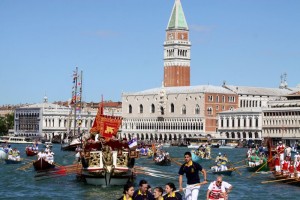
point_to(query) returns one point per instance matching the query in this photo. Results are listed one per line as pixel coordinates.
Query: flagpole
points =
(75, 102)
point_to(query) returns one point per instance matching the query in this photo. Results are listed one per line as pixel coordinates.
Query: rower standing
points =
(216, 190)
(191, 170)
(280, 151)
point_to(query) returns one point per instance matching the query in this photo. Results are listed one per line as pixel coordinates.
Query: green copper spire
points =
(177, 19)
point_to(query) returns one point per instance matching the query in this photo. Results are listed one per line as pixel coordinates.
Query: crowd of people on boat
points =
(47, 154)
(221, 163)
(284, 163)
(33, 147)
(161, 155)
(14, 154)
(256, 156)
(204, 151)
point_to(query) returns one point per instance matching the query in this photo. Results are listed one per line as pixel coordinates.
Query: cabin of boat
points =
(16, 140)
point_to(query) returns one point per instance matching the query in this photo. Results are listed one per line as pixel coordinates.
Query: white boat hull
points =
(193, 146)
(226, 147)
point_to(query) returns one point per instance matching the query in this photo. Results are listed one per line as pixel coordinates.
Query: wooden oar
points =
(239, 161)
(155, 171)
(156, 175)
(195, 185)
(277, 180)
(176, 162)
(234, 168)
(26, 166)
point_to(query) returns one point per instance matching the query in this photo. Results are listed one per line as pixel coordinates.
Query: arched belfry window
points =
(152, 108)
(172, 108)
(130, 109)
(141, 108)
(183, 110)
(197, 109)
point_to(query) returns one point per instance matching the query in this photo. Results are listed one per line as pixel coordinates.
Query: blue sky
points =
(119, 45)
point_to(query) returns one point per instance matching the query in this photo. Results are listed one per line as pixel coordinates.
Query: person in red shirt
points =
(285, 166)
(297, 166)
(292, 170)
(280, 151)
(277, 164)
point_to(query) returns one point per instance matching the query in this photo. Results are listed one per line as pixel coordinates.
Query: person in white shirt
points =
(288, 152)
(216, 190)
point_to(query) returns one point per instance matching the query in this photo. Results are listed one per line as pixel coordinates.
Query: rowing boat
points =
(227, 172)
(42, 164)
(261, 167)
(197, 158)
(10, 161)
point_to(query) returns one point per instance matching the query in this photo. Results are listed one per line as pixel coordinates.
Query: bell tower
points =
(177, 48)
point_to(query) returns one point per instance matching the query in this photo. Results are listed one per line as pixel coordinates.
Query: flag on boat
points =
(107, 126)
(132, 143)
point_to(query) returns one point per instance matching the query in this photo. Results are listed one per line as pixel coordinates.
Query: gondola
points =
(164, 162)
(42, 164)
(10, 161)
(30, 152)
(261, 167)
(227, 172)
(196, 158)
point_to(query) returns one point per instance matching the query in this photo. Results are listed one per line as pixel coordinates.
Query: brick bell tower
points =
(177, 49)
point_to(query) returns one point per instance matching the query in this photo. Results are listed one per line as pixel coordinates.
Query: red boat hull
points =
(30, 152)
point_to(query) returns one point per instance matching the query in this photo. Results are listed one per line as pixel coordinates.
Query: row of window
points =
(230, 99)
(170, 53)
(27, 115)
(282, 122)
(241, 135)
(250, 103)
(239, 122)
(162, 109)
(281, 131)
(290, 113)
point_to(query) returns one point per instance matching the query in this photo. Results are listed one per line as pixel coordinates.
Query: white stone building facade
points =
(45, 120)
(167, 113)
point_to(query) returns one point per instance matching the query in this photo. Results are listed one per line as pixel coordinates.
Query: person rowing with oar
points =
(216, 190)
(191, 170)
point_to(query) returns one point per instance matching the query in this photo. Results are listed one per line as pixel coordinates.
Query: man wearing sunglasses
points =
(216, 190)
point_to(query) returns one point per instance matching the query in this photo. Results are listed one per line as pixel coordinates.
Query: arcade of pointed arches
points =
(157, 136)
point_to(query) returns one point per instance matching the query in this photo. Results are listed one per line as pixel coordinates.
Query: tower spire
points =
(177, 49)
(177, 18)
